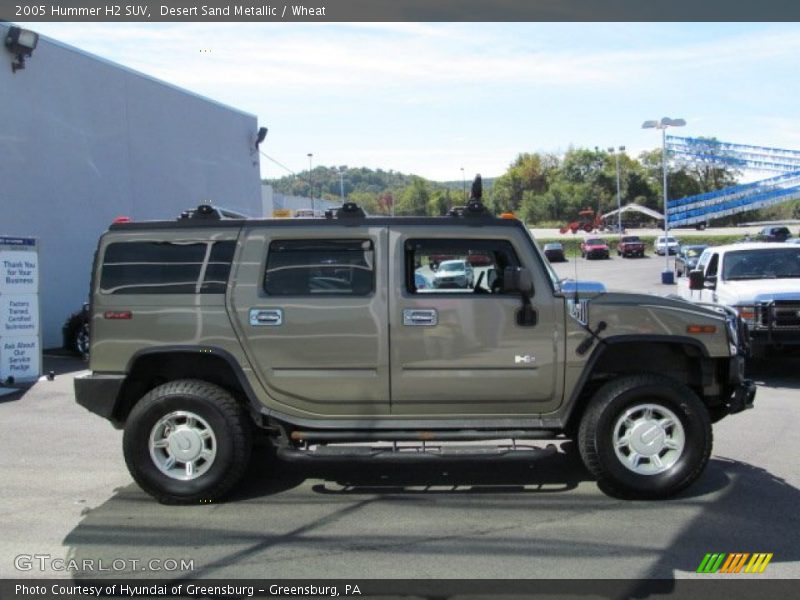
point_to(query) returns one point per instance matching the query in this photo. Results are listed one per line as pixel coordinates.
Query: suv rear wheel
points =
(186, 442)
(645, 436)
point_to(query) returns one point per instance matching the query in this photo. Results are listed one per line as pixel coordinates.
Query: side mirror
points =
(696, 280)
(518, 279)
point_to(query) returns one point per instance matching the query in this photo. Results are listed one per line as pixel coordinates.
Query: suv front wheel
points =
(645, 436)
(186, 442)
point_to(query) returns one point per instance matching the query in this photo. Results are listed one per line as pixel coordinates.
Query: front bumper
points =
(763, 338)
(99, 393)
(743, 397)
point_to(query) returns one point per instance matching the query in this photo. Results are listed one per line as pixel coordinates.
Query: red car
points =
(594, 248)
(630, 245)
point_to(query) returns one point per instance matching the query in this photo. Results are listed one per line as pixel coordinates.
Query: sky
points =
(432, 99)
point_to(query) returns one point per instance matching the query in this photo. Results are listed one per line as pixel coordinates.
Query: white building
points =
(83, 140)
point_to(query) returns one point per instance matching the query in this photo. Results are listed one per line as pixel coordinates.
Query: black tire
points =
(602, 416)
(76, 334)
(232, 441)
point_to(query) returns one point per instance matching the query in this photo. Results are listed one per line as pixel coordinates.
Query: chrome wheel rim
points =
(649, 439)
(182, 445)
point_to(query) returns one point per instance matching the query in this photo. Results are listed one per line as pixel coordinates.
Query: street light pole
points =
(619, 194)
(666, 276)
(310, 183)
(463, 185)
(341, 184)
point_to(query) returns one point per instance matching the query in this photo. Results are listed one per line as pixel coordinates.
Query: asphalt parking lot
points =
(65, 493)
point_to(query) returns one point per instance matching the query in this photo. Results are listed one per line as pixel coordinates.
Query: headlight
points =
(747, 312)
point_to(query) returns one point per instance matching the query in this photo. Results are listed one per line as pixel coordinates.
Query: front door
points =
(456, 345)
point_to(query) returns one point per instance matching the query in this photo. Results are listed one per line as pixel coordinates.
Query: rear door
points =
(457, 349)
(311, 314)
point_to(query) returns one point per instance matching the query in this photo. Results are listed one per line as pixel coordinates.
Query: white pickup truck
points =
(761, 281)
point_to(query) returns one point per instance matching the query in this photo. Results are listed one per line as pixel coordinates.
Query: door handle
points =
(426, 317)
(266, 316)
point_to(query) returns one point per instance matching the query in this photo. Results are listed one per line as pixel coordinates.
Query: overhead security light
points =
(21, 43)
(261, 136)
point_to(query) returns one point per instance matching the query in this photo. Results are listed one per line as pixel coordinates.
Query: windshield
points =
(693, 252)
(778, 263)
(632, 238)
(594, 242)
(551, 273)
(452, 266)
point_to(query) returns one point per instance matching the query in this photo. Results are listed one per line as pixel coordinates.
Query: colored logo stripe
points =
(759, 562)
(711, 563)
(735, 562)
(721, 562)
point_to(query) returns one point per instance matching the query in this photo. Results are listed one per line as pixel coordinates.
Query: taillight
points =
(122, 315)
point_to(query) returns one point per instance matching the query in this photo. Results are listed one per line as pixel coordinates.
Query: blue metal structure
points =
(700, 208)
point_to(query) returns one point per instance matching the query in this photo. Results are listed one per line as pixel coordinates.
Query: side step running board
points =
(411, 453)
(472, 435)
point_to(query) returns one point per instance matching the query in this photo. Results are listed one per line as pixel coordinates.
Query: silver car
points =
(454, 274)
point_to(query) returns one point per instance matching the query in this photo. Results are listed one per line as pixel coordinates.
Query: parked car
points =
(594, 248)
(454, 274)
(75, 332)
(773, 233)
(666, 244)
(687, 258)
(554, 251)
(760, 281)
(630, 245)
(244, 352)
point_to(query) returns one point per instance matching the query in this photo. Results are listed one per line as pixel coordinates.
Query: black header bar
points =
(331, 11)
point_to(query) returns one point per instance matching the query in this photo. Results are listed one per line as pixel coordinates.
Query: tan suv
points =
(312, 334)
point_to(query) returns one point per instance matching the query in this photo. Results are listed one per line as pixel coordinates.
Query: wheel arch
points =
(150, 367)
(686, 359)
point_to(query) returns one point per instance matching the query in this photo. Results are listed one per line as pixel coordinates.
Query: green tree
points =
(528, 172)
(440, 202)
(414, 198)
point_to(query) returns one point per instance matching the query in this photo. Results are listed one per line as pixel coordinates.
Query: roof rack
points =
(475, 206)
(207, 211)
(348, 210)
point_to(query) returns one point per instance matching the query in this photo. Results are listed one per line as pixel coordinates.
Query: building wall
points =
(83, 140)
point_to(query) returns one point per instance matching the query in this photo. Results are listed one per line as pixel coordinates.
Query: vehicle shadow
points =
(284, 510)
(556, 468)
(736, 519)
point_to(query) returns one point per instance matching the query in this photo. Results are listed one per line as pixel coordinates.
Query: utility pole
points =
(310, 183)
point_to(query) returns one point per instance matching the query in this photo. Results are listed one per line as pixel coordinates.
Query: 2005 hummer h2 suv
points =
(325, 334)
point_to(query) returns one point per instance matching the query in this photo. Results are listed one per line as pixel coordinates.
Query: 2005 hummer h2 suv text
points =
(325, 335)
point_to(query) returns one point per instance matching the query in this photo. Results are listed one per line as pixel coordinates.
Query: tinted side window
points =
(457, 266)
(712, 266)
(166, 267)
(320, 267)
